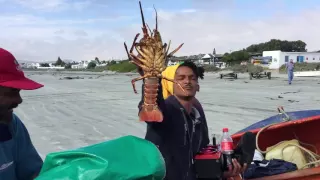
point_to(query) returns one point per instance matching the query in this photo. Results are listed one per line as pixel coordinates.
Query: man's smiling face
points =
(9, 99)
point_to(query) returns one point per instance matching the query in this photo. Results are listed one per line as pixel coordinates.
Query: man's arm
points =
(28, 161)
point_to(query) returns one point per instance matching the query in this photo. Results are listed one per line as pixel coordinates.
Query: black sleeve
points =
(205, 132)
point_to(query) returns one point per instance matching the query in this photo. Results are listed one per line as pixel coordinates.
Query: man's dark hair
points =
(198, 71)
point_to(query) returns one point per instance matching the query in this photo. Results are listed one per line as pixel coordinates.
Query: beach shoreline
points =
(71, 113)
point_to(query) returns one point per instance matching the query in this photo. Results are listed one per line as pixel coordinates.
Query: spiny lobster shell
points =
(151, 61)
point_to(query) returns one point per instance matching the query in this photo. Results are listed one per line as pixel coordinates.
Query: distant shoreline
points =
(28, 71)
(66, 72)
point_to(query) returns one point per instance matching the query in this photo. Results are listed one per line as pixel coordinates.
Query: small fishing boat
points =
(301, 127)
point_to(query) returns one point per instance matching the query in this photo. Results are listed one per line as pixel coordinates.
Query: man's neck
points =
(187, 104)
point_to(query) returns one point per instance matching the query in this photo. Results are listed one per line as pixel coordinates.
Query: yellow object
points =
(288, 151)
(312, 158)
(167, 86)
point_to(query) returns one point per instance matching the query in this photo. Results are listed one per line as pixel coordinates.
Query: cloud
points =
(35, 38)
(32, 37)
(201, 31)
(21, 20)
(52, 5)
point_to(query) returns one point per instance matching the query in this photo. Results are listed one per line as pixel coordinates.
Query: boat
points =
(306, 74)
(110, 156)
(286, 126)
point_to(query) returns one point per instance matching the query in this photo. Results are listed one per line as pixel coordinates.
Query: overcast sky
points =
(39, 30)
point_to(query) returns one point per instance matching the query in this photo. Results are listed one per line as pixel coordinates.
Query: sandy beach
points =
(68, 114)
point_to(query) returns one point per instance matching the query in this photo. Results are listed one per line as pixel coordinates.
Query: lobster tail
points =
(151, 116)
(150, 111)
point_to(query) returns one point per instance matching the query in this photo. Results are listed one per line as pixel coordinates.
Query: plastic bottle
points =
(226, 147)
(214, 141)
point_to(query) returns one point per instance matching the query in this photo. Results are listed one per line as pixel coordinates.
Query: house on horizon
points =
(83, 64)
(279, 58)
(200, 59)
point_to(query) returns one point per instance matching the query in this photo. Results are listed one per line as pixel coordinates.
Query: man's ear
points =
(198, 87)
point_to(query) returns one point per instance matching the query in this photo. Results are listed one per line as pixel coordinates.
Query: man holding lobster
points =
(184, 130)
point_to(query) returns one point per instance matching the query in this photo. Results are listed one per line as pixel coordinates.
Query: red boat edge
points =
(305, 130)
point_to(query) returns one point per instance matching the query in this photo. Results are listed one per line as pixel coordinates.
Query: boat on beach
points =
(289, 132)
(113, 159)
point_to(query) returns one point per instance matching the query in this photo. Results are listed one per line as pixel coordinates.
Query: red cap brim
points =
(23, 84)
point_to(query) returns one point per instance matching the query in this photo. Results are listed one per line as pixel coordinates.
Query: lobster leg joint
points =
(133, 82)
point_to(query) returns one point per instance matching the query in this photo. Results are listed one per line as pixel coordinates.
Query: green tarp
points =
(125, 158)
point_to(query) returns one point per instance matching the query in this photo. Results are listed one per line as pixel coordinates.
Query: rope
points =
(314, 159)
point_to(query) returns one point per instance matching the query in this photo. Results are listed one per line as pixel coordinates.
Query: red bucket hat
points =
(11, 74)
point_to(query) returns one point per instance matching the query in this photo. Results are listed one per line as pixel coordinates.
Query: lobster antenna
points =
(156, 17)
(142, 17)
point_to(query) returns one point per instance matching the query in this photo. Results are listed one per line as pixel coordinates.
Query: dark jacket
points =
(178, 137)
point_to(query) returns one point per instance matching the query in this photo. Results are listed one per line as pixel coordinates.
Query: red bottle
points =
(226, 147)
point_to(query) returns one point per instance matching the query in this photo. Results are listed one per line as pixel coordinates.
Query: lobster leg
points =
(166, 50)
(131, 49)
(171, 80)
(137, 79)
(174, 51)
(145, 56)
(138, 59)
(151, 33)
(139, 65)
(126, 47)
(165, 46)
(134, 42)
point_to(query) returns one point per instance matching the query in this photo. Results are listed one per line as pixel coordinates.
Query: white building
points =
(279, 58)
(84, 64)
(81, 65)
(202, 59)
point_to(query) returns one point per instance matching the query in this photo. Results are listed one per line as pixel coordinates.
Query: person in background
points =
(19, 160)
(184, 130)
(290, 68)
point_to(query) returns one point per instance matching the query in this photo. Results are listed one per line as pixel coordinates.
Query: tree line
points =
(236, 57)
(92, 64)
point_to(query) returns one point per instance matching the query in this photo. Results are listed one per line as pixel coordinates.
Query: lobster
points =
(151, 60)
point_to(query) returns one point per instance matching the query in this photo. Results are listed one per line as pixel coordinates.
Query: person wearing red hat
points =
(18, 157)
